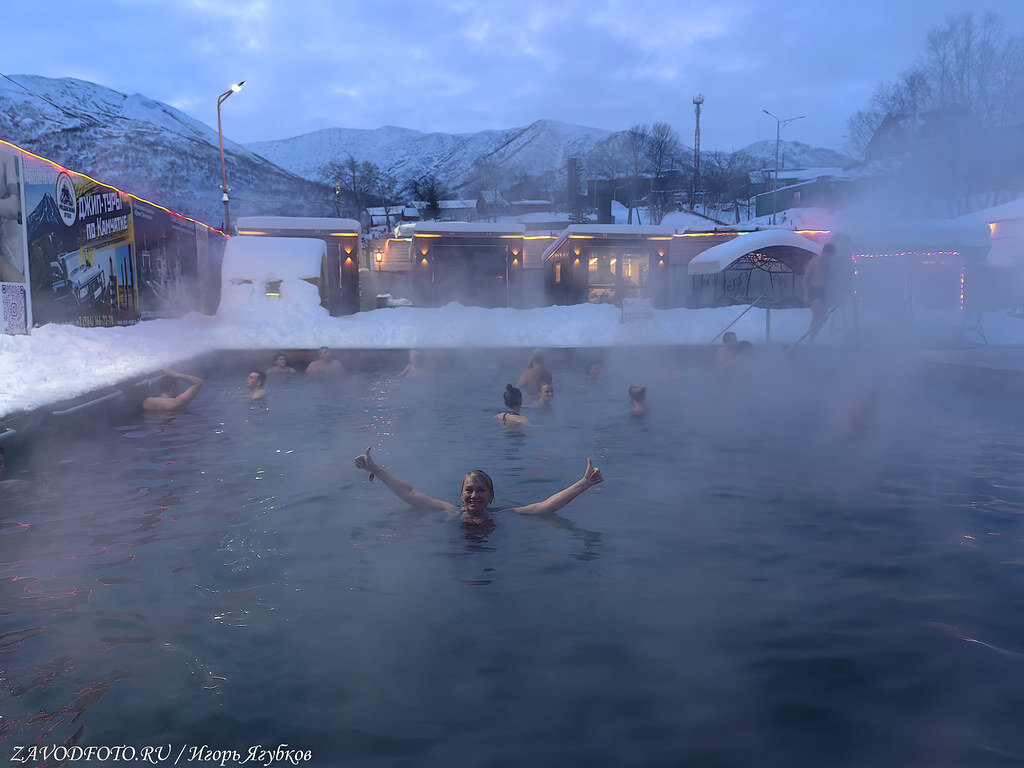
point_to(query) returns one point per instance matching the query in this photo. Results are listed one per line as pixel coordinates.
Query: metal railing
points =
(741, 314)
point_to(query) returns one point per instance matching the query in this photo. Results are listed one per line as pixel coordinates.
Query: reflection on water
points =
(748, 586)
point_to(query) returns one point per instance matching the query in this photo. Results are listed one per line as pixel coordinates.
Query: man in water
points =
(168, 398)
(535, 374)
(725, 355)
(325, 363)
(254, 383)
(816, 280)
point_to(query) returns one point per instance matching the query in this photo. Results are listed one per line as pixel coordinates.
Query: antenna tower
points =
(698, 101)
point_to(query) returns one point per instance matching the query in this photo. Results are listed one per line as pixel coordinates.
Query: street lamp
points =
(779, 125)
(223, 167)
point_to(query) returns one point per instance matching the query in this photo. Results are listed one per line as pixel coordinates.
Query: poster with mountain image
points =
(79, 232)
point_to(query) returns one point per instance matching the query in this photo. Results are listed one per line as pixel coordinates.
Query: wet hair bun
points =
(513, 396)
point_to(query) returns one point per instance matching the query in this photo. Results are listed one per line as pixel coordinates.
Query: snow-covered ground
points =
(60, 362)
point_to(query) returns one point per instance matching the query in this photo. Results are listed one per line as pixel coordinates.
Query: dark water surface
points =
(797, 564)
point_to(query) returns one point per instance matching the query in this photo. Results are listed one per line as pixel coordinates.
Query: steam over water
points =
(806, 561)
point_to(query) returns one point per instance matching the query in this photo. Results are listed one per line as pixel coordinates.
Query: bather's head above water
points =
(477, 493)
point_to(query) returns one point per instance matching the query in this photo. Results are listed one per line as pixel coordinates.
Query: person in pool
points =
(513, 402)
(254, 383)
(477, 492)
(168, 398)
(280, 365)
(545, 394)
(536, 373)
(638, 399)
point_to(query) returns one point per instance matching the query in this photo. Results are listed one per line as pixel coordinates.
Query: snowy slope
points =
(531, 150)
(147, 148)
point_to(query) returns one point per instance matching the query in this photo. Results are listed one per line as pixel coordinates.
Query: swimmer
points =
(168, 398)
(535, 374)
(725, 355)
(324, 363)
(513, 402)
(545, 394)
(254, 383)
(594, 371)
(637, 399)
(414, 369)
(477, 493)
(280, 365)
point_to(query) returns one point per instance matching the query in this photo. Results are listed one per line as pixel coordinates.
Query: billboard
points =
(75, 250)
(80, 256)
(166, 251)
(14, 297)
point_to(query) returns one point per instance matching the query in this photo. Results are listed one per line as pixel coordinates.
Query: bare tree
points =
(662, 153)
(386, 189)
(635, 141)
(428, 189)
(351, 176)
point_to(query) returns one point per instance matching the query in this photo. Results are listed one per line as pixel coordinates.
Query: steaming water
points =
(750, 586)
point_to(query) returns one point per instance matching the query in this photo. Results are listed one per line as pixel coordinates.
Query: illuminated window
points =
(558, 272)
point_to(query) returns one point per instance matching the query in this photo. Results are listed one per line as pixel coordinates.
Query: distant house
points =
(490, 203)
(451, 210)
(392, 215)
(519, 207)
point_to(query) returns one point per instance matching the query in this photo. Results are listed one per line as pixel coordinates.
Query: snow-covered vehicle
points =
(72, 273)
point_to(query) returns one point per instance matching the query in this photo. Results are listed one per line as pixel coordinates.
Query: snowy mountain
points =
(456, 159)
(795, 154)
(161, 154)
(149, 149)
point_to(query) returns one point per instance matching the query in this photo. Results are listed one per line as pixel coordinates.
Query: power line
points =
(78, 115)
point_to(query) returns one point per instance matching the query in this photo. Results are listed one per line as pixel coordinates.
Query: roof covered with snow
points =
(296, 223)
(718, 257)
(262, 259)
(462, 228)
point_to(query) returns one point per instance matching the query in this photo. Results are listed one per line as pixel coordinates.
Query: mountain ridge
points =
(159, 153)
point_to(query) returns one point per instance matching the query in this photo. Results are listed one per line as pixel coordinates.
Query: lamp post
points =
(779, 125)
(223, 167)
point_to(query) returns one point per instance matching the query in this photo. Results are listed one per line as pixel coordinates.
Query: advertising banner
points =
(80, 255)
(14, 298)
(167, 255)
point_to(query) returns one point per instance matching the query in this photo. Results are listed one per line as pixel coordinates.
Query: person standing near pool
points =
(535, 374)
(477, 493)
(168, 398)
(816, 280)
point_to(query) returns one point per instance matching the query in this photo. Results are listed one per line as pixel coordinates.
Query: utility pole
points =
(779, 125)
(698, 101)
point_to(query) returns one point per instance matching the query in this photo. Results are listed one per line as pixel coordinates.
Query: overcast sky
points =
(462, 66)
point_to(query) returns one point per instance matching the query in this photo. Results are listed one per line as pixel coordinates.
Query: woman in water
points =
(477, 492)
(545, 394)
(638, 399)
(513, 402)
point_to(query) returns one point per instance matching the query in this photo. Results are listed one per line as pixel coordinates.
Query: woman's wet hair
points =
(513, 397)
(637, 393)
(479, 476)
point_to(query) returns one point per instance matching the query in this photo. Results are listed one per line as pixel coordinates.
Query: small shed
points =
(475, 264)
(339, 283)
